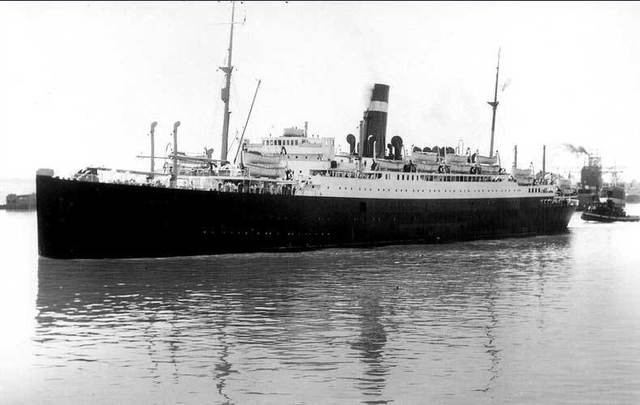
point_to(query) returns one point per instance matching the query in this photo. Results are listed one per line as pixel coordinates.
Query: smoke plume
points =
(505, 84)
(576, 149)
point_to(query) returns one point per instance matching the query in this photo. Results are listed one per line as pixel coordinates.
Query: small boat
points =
(390, 165)
(255, 170)
(257, 158)
(607, 212)
(424, 157)
(427, 167)
(456, 159)
(461, 168)
(489, 169)
(486, 160)
(458, 163)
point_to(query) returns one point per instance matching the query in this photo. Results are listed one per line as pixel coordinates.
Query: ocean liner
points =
(295, 192)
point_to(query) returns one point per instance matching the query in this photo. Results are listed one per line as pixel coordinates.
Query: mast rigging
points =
(247, 122)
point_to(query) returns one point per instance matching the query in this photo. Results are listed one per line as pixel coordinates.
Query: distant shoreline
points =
(17, 186)
(17, 179)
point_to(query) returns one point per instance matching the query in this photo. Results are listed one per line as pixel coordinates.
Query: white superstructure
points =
(300, 152)
(416, 185)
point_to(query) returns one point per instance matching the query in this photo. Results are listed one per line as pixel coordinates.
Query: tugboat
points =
(607, 212)
(611, 210)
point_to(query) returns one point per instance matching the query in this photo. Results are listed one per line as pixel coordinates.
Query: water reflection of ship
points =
(103, 299)
(370, 346)
(169, 309)
(490, 329)
(217, 301)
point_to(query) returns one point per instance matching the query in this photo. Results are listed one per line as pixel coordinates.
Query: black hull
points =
(98, 220)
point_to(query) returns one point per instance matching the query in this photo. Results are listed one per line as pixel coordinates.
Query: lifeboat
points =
(424, 157)
(486, 160)
(427, 167)
(456, 159)
(460, 167)
(272, 172)
(257, 158)
(489, 169)
(390, 165)
(522, 173)
(523, 176)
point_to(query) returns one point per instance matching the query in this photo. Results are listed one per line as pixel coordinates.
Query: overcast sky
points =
(80, 82)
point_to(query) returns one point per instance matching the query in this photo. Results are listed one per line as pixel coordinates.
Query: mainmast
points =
(494, 104)
(226, 91)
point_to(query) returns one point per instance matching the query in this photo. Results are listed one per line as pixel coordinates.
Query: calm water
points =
(537, 320)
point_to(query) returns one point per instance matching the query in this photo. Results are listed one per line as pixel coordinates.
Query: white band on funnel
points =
(380, 106)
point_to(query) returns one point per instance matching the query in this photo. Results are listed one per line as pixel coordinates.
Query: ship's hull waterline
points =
(78, 219)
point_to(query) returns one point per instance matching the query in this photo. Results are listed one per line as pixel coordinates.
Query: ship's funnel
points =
(351, 140)
(375, 122)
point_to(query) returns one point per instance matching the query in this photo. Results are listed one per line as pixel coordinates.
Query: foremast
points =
(226, 91)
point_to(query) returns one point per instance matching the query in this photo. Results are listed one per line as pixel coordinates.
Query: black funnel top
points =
(380, 92)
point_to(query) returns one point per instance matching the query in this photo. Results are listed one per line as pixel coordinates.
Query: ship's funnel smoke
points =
(576, 149)
(374, 125)
(366, 96)
(505, 84)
